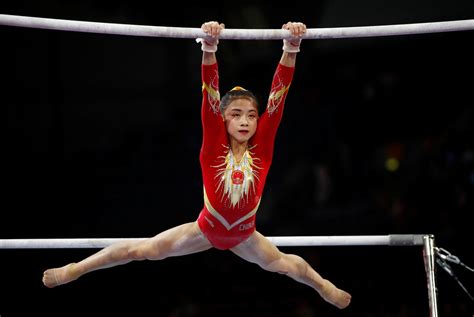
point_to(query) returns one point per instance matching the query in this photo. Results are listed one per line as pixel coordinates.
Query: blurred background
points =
(103, 134)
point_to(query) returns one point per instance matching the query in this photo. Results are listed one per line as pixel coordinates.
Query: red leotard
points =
(232, 190)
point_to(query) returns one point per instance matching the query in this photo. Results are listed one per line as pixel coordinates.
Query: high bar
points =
(234, 34)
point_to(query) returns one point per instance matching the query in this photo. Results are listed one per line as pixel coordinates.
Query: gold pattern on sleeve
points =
(213, 93)
(276, 94)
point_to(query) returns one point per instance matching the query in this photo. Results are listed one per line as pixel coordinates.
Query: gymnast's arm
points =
(291, 46)
(209, 44)
(213, 127)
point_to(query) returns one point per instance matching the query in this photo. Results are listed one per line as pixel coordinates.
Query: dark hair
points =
(237, 93)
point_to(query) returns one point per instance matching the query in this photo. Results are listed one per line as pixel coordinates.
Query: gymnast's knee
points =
(148, 251)
(138, 252)
(287, 264)
(277, 266)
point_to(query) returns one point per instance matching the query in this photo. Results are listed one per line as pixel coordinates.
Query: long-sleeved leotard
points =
(232, 190)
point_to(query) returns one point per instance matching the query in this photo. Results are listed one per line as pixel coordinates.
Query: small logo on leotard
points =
(237, 177)
(246, 226)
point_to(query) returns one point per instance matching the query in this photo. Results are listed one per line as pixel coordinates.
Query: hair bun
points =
(238, 88)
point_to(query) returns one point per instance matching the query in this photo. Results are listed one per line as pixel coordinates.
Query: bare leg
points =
(258, 249)
(180, 240)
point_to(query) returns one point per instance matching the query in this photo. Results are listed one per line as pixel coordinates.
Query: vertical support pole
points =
(429, 260)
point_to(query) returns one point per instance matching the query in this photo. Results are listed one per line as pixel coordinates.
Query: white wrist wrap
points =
(291, 46)
(207, 46)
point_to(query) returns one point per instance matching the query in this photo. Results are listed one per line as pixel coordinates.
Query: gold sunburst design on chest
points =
(236, 179)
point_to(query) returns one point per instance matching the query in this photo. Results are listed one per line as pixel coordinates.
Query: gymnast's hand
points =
(213, 30)
(297, 30)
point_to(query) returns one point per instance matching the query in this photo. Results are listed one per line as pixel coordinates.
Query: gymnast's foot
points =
(333, 295)
(59, 276)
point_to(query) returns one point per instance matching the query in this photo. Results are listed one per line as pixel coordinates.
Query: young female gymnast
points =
(235, 157)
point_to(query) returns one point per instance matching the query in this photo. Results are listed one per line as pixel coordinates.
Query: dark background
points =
(103, 135)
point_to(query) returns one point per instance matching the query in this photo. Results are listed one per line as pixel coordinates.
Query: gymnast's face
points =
(240, 118)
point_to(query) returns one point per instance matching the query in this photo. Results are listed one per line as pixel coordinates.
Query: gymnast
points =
(235, 157)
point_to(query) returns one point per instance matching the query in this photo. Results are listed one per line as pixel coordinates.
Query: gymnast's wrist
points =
(291, 46)
(208, 45)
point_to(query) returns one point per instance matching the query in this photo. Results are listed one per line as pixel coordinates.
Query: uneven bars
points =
(283, 241)
(234, 34)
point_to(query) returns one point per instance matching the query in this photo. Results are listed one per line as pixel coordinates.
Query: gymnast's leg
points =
(180, 240)
(258, 249)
